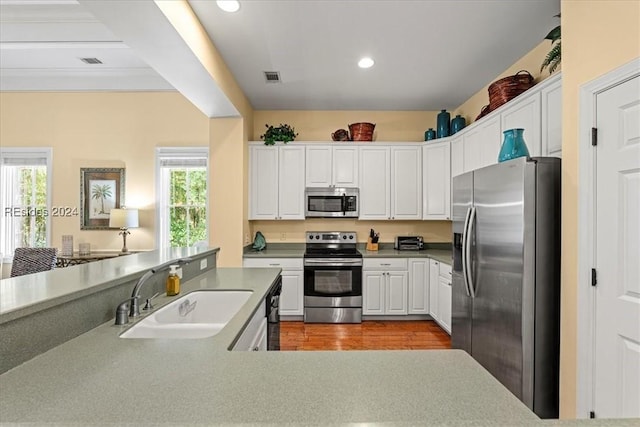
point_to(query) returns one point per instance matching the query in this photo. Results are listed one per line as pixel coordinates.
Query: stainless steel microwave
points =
(331, 202)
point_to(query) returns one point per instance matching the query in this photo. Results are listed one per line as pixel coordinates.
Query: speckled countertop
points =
(440, 252)
(98, 378)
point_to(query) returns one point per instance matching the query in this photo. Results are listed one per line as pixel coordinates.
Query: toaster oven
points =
(409, 243)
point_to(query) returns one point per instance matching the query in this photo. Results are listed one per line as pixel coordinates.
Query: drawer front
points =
(385, 264)
(284, 263)
(445, 270)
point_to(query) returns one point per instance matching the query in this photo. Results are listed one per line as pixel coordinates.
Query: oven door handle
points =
(333, 262)
(344, 203)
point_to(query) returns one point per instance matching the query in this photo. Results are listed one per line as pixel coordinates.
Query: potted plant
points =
(552, 60)
(284, 133)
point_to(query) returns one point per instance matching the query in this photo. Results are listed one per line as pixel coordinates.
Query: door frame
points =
(587, 229)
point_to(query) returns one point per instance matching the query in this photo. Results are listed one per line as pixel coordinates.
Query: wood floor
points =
(368, 335)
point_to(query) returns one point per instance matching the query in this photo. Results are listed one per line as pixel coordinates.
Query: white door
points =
(436, 185)
(551, 121)
(373, 292)
(617, 308)
(396, 292)
(291, 183)
(263, 189)
(318, 166)
(292, 296)
(525, 114)
(418, 286)
(434, 274)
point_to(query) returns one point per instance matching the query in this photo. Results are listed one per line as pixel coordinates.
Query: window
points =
(182, 196)
(26, 197)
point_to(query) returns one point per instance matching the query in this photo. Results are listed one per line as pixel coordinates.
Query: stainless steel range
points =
(332, 278)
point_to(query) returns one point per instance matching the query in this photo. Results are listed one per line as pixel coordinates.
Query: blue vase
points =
(513, 145)
(430, 134)
(457, 124)
(443, 123)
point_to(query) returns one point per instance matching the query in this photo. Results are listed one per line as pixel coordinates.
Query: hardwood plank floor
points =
(368, 335)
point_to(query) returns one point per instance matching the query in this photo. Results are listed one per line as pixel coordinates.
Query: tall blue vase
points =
(513, 145)
(443, 123)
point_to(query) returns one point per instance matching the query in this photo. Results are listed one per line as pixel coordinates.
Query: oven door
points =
(336, 282)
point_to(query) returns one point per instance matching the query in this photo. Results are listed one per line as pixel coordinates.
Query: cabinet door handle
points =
(256, 348)
(274, 265)
(383, 263)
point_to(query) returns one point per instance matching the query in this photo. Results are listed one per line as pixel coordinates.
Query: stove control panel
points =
(331, 236)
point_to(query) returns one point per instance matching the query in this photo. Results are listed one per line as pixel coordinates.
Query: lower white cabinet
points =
(254, 336)
(418, 286)
(292, 296)
(384, 286)
(440, 294)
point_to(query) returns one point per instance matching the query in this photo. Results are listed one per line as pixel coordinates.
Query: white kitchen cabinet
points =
(482, 144)
(292, 296)
(551, 115)
(524, 113)
(418, 301)
(436, 171)
(457, 156)
(276, 183)
(385, 286)
(434, 275)
(440, 293)
(390, 182)
(444, 297)
(331, 166)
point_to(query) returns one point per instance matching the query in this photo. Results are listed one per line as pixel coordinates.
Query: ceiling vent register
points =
(272, 76)
(91, 61)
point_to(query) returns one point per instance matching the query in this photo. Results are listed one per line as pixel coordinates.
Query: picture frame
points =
(101, 189)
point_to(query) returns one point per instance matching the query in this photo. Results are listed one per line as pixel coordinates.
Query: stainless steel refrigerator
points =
(506, 275)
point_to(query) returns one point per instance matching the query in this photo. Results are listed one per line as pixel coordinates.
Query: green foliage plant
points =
(552, 60)
(284, 133)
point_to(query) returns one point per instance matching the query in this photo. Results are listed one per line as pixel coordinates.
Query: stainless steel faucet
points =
(132, 304)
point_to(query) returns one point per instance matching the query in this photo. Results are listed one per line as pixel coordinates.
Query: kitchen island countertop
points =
(99, 377)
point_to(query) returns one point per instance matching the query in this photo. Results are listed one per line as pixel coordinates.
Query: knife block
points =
(371, 246)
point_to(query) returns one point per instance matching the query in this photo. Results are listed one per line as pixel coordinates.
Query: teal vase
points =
(513, 145)
(430, 134)
(443, 123)
(457, 124)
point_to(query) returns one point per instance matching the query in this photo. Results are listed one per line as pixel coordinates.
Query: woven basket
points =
(507, 88)
(483, 112)
(361, 131)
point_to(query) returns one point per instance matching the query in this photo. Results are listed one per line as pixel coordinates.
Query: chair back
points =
(33, 260)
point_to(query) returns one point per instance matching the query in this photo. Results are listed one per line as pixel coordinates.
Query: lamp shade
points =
(123, 218)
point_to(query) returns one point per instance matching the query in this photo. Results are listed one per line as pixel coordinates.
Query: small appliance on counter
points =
(409, 243)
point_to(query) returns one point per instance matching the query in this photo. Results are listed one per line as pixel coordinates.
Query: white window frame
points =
(162, 192)
(26, 153)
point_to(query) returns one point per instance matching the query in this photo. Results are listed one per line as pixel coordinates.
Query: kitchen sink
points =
(198, 314)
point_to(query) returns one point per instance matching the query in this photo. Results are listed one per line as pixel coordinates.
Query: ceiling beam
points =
(143, 27)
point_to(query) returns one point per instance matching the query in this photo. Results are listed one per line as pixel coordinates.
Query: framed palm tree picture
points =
(101, 189)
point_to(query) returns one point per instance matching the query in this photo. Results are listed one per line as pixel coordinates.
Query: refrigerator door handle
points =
(467, 249)
(465, 254)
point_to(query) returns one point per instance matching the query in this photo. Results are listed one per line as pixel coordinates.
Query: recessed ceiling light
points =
(365, 62)
(228, 5)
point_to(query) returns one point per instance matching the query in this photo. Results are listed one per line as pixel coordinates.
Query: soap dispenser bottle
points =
(173, 281)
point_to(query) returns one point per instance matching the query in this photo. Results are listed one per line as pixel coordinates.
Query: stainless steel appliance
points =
(272, 302)
(409, 243)
(331, 202)
(332, 278)
(506, 275)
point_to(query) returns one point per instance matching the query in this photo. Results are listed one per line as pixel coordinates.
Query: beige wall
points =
(102, 130)
(319, 125)
(530, 62)
(597, 37)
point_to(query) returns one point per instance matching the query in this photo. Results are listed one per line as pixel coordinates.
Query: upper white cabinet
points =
(525, 114)
(436, 186)
(551, 112)
(331, 166)
(482, 143)
(390, 182)
(277, 176)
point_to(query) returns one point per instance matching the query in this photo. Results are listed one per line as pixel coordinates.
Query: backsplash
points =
(293, 231)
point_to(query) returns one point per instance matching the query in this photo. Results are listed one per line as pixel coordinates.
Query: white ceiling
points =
(429, 54)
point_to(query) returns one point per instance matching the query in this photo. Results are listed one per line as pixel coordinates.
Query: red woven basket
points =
(507, 88)
(361, 131)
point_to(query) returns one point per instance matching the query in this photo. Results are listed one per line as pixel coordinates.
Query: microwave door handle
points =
(344, 204)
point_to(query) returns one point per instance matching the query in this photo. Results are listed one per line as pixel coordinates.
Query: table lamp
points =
(123, 219)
